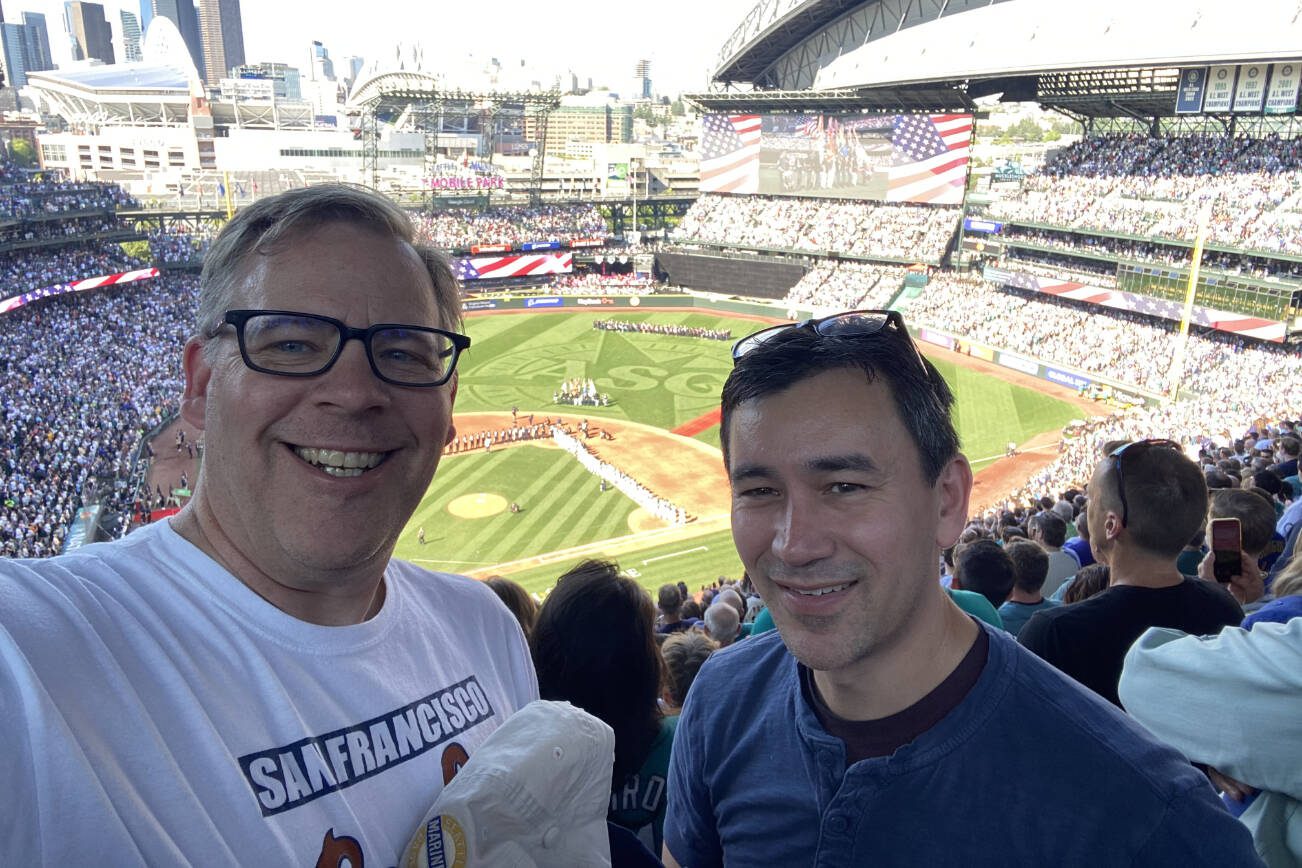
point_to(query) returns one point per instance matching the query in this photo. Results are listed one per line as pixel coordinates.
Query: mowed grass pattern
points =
(561, 507)
(519, 360)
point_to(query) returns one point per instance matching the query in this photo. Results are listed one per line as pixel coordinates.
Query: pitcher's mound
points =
(479, 505)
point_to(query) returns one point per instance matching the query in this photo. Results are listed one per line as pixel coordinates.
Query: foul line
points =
(675, 554)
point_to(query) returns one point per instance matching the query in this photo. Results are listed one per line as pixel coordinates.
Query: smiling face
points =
(834, 520)
(308, 481)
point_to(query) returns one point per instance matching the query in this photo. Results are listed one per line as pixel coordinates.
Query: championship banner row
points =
(1271, 88)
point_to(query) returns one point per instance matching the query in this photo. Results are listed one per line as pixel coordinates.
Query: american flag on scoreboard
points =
(730, 149)
(527, 265)
(930, 158)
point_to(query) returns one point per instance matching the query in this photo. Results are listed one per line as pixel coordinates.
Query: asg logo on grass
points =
(694, 377)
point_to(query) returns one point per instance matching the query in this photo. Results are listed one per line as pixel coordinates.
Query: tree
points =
(22, 153)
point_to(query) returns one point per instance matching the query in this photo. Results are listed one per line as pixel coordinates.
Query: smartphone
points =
(1227, 543)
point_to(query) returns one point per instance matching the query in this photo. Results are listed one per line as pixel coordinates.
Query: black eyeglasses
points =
(851, 323)
(289, 343)
(1116, 455)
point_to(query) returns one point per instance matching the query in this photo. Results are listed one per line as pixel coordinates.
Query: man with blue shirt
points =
(1030, 565)
(847, 736)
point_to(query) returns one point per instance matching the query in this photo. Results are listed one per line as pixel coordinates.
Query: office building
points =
(88, 31)
(130, 37)
(223, 37)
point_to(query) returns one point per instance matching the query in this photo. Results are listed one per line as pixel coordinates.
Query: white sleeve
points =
(1232, 701)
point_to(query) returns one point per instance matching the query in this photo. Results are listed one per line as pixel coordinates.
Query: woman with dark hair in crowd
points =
(1088, 582)
(517, 599)
(594, 646)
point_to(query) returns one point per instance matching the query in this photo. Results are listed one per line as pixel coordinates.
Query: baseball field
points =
(661, 427)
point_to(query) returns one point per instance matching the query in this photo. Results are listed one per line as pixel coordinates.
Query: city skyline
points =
(680, 39)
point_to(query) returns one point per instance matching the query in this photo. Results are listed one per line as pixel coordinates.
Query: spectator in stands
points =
(1079, 545)
(722, 624)
(847, 483)
(669, 600)
(1287, 593)
(983, 567)
(517, 599)
(1146, 500)
(1258, 539)
(1089, 581)
(1286, 451)
(683, 653)
(1049, 531)
(1031, 565)
(594, 646)
(136, 674)
(1230, 702)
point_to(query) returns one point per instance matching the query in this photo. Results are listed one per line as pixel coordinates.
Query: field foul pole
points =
(1177, 362)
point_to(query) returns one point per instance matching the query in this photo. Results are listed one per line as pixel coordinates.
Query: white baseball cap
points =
(533, 795)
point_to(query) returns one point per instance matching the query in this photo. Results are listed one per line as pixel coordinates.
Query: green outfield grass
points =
(519, 360)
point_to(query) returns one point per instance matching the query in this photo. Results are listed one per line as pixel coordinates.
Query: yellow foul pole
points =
(230, 201)
(1177, 362)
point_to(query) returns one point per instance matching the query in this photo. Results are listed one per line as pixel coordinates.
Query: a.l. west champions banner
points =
(520, 265)
(889, 158)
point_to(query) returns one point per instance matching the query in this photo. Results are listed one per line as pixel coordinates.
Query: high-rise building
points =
(182, 13)
(130, 37)
(642, 80)
(323, 68)
(223, 37)
(89, 31)
(37, 37)
(13, 50)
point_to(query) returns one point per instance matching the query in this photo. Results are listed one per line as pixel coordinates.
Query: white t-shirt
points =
(154, 710)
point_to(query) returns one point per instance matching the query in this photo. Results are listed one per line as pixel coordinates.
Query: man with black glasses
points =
(1147, 500)
(257, 681)
(880, 725)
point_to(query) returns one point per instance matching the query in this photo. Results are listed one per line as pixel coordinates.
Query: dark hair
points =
(684, 653)
(1030, 563)
(984, 567)
(1290, 446)
(1051, 527)
(1166, 496)
(922, 398)
(1088, 582)
(690, 609)
(594, 646)
(1011, 532)
(1255, 514)
(668, 599)
(517, 599)
(1218, 479)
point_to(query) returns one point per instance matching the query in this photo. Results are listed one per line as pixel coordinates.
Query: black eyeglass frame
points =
(1116, 455)
(239, 318)
(891, 321)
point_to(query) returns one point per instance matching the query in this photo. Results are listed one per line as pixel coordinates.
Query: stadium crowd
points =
(459, 229)
(32, 198)
(1157, 187)
(589, 282)
(857, 228)
(842, 285)
(23, 270)
(81, 378)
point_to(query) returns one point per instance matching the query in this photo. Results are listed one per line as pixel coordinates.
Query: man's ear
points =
(198, 374)
(953, 490)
